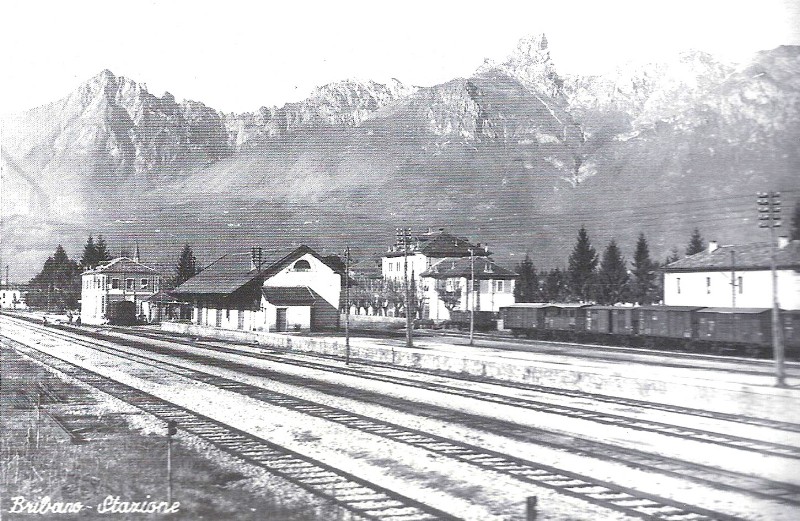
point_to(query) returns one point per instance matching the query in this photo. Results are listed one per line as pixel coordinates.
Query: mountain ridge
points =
(511, 143)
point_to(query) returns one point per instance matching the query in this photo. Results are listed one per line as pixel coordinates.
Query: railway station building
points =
(119, 280)
(735, 277)
(271, 291)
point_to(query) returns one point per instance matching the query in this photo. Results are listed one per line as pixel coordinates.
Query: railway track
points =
(368, 500)
(598, 492)
(666, 429)
(701, 474)
(219, 345)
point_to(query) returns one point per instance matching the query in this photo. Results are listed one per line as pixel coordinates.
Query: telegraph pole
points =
(347, 305)
(733, 279)
(405, 235)
(471, 294)
(769, 216)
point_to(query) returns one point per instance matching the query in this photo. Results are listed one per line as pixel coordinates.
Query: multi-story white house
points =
(121, 279)
(423, 251)
(11, 297)
(265, 291)
(447, 284)
(735, 276)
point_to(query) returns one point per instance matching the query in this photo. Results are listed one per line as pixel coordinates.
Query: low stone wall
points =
(374, 322)
(762, 402)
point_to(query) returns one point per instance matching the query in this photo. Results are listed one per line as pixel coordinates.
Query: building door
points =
(219, 318)
(241, 319)
(280, 319)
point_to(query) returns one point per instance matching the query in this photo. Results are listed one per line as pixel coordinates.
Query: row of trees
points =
(605, 279)
(57, 286)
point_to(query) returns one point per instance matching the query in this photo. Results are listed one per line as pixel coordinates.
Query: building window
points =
(500, 287)
(114, 283)
(708, 285)
(390, 266)
(144, 284)
(678, 280)
(130, 284)
(302, 265)
(741, 285)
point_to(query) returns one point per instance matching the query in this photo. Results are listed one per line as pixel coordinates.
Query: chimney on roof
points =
(783, 241)
(255, 258)
(136, 256)
(712, 246)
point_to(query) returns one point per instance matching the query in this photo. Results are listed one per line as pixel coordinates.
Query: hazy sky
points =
(237, 56)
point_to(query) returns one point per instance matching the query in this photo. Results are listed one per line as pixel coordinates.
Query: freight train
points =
(744, 331)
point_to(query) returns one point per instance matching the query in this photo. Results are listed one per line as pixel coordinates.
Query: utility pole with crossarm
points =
(404, 236)
(769, 216)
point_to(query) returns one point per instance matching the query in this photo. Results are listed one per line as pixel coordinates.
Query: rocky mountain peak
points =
(530, 64)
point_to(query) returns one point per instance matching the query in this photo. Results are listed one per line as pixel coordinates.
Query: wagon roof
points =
(670, 308)
(748, 311)
(530, 305)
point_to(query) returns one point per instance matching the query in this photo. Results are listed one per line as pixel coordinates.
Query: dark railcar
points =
(612, 320)
(790, 321)
(122, 313)
(668, 326)
(566, 317)
(524, 318)
(735, 326)
(484, 320)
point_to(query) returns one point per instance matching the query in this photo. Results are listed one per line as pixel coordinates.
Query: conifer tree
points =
(89, 258)
(526, 287)
(187, 266)
(644, 285)
(612, 277)
(103, 255)
(582, 267)
(696, 243)
(795, 234)
(555, 287)
(673, 256)
(58, 285)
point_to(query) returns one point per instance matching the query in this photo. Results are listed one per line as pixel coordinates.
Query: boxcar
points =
(790, 321)
(122, 313)
(484, 320)
(524, 318)
(611, 320)
(732, 327)
(565, 317)
(668, 326)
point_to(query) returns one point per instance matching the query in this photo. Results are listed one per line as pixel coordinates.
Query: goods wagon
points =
(733, 328)
(662, 325)
(484, 320)
(790, 322)
(614, 320)
(565, 321)
(524, 318)
(122, 313)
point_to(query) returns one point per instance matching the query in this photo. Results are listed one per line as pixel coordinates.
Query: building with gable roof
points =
(735, 276)
(265, 291)
(423, 251)
(121, 279)
(447, 283)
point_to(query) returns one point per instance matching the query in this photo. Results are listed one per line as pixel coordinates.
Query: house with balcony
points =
(464, 284)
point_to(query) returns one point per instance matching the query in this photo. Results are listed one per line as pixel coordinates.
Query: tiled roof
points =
(440, 244)
(288, 296)
(233, 270)
(746, 256)
(121, 265)
(485, 268)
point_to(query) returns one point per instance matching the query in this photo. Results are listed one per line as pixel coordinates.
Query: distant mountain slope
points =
(516, 155)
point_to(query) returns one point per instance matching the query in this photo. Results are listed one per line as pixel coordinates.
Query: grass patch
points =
(38, 460)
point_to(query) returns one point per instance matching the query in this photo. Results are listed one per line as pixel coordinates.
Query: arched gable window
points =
(302, 265)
